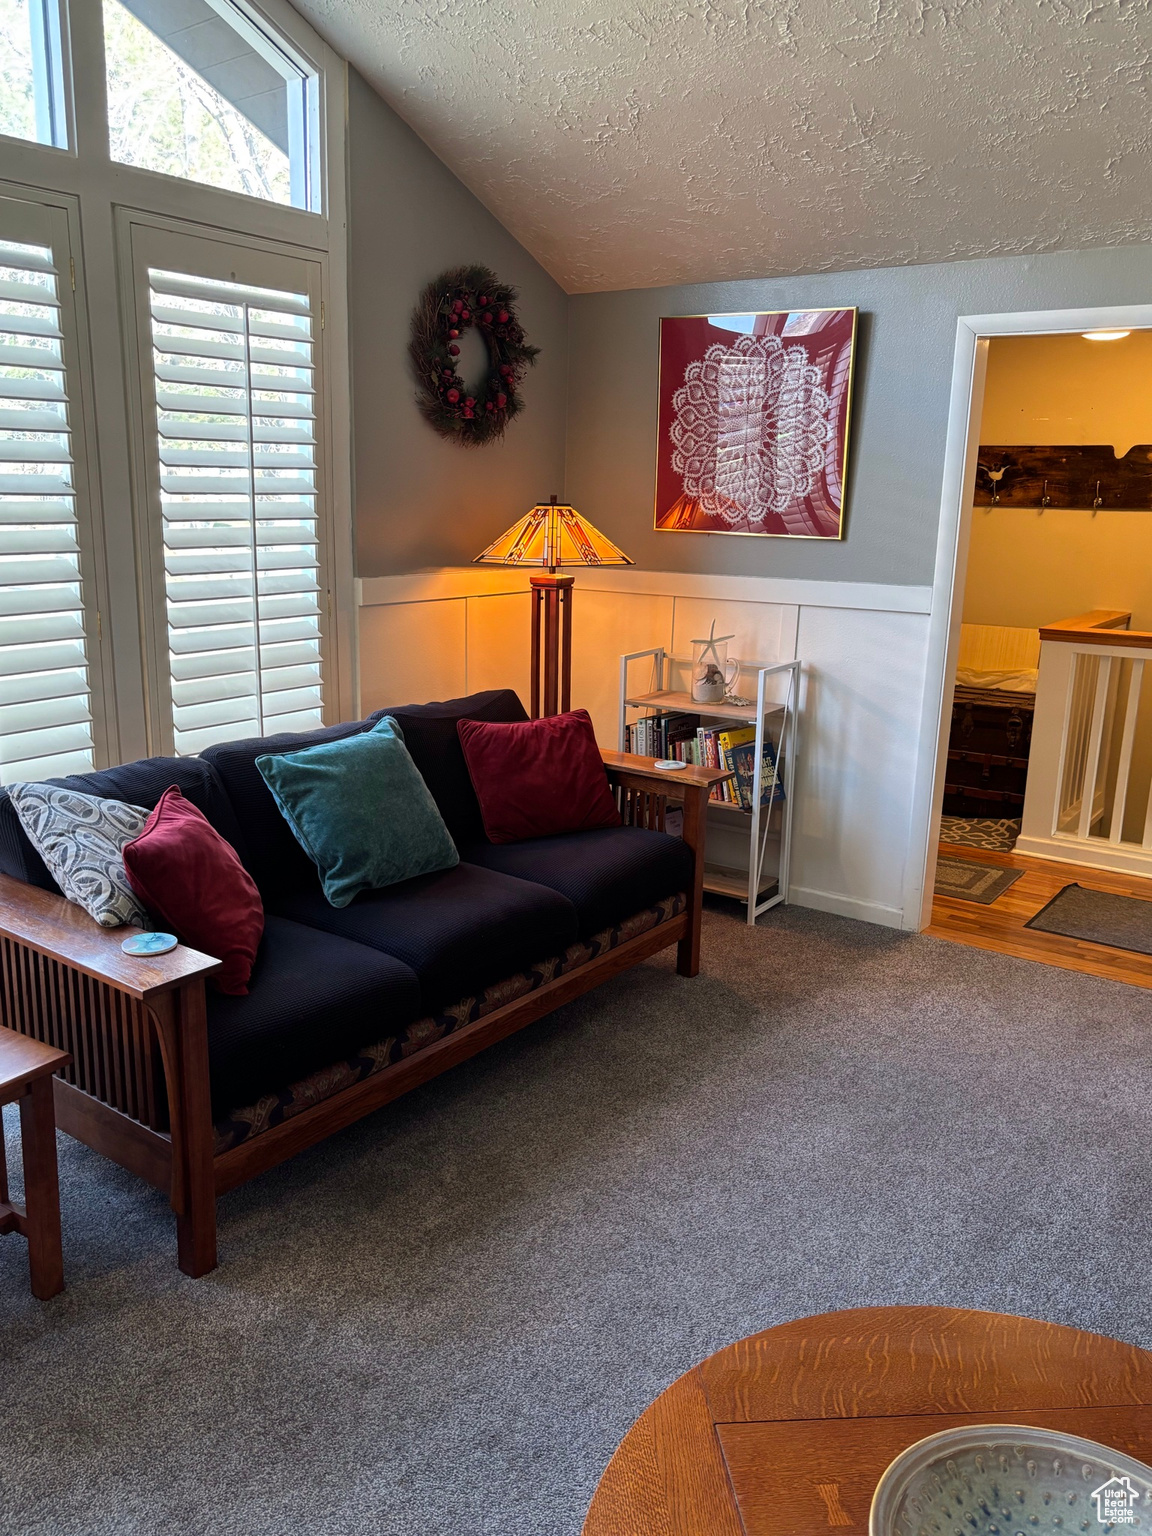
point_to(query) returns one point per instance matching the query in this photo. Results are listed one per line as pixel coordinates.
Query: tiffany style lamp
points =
(552, 535)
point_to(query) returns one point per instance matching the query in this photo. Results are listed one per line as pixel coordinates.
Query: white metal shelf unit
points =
(777, 698)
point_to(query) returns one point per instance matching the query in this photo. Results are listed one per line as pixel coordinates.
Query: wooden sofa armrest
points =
(59, 929)
(642, 791)
(673, 782)
(66, 981)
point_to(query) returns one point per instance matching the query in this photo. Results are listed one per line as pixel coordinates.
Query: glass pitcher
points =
(713, 670)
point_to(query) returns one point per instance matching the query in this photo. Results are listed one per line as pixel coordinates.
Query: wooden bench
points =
(26, 1068)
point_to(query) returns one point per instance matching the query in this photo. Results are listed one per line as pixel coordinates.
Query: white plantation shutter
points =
(45, 699)
(236, 449)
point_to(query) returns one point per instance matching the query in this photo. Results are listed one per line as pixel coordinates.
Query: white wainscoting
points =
(440, 634)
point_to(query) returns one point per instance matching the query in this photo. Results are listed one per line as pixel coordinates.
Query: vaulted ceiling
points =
(632, 144)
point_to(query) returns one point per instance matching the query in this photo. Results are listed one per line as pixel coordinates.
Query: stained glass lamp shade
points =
(552, 536)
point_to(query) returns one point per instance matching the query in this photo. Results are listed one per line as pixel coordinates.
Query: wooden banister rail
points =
(1083, 768)
(1101, 626)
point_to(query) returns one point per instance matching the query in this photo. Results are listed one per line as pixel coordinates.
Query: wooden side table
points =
(26, 1068)
(788, 1432)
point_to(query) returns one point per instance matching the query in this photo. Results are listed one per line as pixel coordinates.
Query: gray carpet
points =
(442, 1322)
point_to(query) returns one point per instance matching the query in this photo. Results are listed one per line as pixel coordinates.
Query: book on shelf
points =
(771, 787)
(685, 738)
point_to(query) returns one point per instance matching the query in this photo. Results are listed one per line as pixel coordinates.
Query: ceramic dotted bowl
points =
(1008, 1480)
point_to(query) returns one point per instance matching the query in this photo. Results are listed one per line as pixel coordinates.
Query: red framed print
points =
(753, 432)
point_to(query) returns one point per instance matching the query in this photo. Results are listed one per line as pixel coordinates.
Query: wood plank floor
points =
(1001, 925)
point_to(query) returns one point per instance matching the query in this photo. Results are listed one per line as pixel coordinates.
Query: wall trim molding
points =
(845, 906)
(461, 581)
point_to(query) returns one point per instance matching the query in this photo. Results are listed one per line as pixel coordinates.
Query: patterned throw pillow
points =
(80, 839)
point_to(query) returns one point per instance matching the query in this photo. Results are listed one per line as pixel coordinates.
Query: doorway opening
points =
(1043, 625)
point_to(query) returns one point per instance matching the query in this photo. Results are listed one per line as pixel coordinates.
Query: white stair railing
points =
(1089, 794)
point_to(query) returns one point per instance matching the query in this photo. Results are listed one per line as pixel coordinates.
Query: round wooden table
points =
(787, 1433)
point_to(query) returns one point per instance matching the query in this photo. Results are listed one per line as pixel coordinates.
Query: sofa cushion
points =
(607, 875)
(459, 930)
(314, 998)
(361, 811)
(186, 874)
(430, 736)
(140, 783)
(538, 778)
(273, 857)
(81, 839)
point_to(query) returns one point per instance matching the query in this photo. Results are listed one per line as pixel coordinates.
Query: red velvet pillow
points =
(184, 871)
(535, 778)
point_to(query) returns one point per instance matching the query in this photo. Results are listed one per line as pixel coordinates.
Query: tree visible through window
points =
(31, 83)
(190, 96)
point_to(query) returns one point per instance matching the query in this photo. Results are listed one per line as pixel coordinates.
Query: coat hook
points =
(995, 476)
(1045, 499)
(1098, 503)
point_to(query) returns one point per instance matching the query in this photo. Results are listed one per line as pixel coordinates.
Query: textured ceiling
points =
(628, 145)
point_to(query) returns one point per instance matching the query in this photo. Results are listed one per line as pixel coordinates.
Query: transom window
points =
(31, 72)
(197, 89)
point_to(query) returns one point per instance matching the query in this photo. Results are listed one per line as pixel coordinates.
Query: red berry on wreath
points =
(453, 333)
(503, 317)
(483, 301)
(454, 351)
(487, 317)
(501, 401)
(468, 415)
(452, 396)
(458, 306)
(470, 402)
(465, 314)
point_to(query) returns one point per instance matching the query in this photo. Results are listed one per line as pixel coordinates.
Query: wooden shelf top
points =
(668, 699)
(734, 882)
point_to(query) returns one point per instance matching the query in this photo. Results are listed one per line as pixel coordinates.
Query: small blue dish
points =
(149, 944)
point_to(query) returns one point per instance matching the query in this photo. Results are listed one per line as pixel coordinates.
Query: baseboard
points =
(845, 906)
(1099, 854)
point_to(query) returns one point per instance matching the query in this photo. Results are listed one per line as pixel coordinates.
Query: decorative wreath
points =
(456, 301)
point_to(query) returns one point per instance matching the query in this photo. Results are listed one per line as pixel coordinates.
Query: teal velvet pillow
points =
(360, 811)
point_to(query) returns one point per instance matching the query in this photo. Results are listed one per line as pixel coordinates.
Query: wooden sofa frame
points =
(137, 1089)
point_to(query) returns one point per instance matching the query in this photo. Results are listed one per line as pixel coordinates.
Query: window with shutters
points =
(45, 696)
(236, 470)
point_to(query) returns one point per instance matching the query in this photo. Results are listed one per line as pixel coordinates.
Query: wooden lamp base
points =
(552, 651)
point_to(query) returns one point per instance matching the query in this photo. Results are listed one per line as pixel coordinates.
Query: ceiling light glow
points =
(1105, 335)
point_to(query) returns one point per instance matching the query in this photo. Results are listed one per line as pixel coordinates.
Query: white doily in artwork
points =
(751, 429)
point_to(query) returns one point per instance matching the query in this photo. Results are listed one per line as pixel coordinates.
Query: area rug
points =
(968, 881)
(999, 833)
(1121, 922)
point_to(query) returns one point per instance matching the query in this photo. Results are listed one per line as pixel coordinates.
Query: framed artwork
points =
(753, 428)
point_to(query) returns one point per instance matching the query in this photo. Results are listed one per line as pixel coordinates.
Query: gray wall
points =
(899, 407)
(421, 500)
